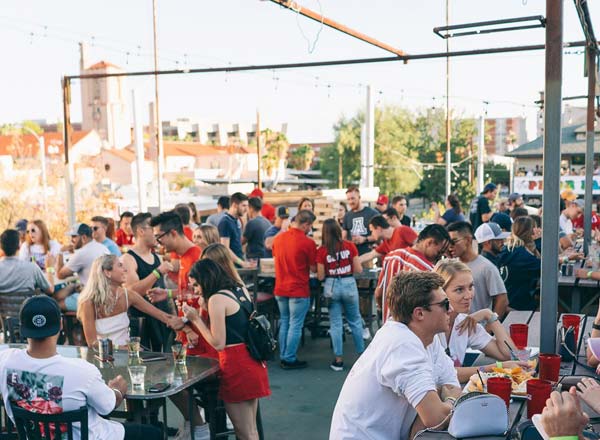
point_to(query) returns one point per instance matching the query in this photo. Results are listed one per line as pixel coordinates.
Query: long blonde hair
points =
(448, 269)
(522, 235)
(210, 233)
(221, 255)
(97, 289)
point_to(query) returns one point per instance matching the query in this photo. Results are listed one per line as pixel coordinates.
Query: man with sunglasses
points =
(490, 292)
(403, 382)
(431, 244)
(99, 227)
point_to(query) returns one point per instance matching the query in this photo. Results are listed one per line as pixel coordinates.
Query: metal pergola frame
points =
(552, 133)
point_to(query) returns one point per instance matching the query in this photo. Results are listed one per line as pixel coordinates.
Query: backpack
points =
(259, 337)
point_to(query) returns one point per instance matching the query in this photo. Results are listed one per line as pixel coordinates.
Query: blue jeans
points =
(345, 296)
(292, 312)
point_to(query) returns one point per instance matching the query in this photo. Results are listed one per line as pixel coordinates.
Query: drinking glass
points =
(501, 387)
(549, 366)
(572, 321)
(137, 373)
(519, 333)
(134, 346)
(538, 391)
(179, 353)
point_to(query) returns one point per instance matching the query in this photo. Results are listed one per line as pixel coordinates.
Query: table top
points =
(582, 282)
(162, 371)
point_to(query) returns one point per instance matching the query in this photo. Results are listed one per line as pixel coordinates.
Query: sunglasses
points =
(95, 228)
(32, 231)
(445, 303)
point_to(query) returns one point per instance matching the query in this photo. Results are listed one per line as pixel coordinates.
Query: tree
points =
(301, 158)
(340, 162)
(276, 146)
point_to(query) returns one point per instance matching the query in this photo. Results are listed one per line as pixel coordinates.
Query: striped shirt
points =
(400, 260)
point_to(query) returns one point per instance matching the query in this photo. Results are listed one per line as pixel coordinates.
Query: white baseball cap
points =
(490, 231)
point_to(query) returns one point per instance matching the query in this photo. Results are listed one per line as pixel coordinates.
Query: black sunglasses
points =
(445, 303)
(158, 237)
(32, 231)
(95, 228)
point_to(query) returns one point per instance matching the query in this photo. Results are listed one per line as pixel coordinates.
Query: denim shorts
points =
(71, 302)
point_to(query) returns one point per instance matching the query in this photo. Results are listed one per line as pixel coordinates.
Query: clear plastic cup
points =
(137, 373)
(179, 353)
(134, 346)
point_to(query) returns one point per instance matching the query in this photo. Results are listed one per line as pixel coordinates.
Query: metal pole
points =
(370, 138)
(258, 155)
(589, 151)
(552, 139)
(69, 171)
(159, 140)
(481, 155)
(448, 128)
(138, 131)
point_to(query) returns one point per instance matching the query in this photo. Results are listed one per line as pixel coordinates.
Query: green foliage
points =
(301, 158)
(276, 146)
(345, 151)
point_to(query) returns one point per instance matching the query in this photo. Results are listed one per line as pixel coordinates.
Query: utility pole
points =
(258, 155)
(480, 155)
(159, 140)
(69, 170)
(448, 128)
(138, 130)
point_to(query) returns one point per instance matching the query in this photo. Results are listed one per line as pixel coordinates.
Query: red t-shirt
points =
(402, 237)
(186, 261)
(189, 233)
(578, 222)
(122, 238)
(341, 263)
(268, 212)
(294, 253)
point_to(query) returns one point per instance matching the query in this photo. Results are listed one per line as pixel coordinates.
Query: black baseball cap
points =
(283, 212)
(40, 317)
(80, 229)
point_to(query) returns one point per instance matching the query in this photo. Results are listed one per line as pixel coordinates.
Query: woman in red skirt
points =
(243, 379)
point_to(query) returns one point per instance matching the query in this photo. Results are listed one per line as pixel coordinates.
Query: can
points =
(570, 269)
(105, 349)
(563, 270)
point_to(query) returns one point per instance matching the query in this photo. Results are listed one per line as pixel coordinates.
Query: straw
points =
(481, 379)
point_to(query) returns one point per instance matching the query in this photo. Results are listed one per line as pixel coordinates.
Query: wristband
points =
(565, 437)
(169, 293)
(184, 320)
(498, 364)
(450, 399)
(50, 270)
(596, 326)
(156, 274)
(118, 391)
(589, 274)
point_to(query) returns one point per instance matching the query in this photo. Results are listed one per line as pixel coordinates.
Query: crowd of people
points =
(440, 291)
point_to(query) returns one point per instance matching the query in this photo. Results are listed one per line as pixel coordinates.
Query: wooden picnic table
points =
(578, 289)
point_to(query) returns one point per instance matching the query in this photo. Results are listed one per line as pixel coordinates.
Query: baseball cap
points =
(489, 231)
(40, 317)
(256, 192)
(489, 187)
(579, 202)
(502, 220)
(283, 212)
(513, 197)
(569, 195)
(383, 200)
(21, 225)
(80, 229)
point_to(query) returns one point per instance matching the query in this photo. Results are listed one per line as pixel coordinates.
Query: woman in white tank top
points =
(103, 304)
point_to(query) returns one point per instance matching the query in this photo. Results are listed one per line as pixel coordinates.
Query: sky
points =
(40, 44)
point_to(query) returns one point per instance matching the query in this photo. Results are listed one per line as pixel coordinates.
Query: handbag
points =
(259, 337)
(478, 414)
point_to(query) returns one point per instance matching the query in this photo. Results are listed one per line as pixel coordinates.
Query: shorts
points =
(241, 377)
(71, 302)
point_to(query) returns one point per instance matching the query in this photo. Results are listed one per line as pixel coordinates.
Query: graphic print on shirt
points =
(358, 227)
(337, 270)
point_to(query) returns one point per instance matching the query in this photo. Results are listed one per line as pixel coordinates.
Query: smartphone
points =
(158, 387)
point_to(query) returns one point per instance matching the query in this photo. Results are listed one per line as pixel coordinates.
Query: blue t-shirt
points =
(271, 232)
(451, 216)
(229, 227)
(112, 247)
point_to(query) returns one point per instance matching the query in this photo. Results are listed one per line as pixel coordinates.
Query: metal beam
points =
(294, 6)
(425, 56)
(550, 200)
(589, 150)
(67, 130)
(483, 24)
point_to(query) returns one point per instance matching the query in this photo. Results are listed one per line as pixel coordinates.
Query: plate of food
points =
(518, 377)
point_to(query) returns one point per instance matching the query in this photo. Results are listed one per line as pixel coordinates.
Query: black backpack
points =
(259, 338)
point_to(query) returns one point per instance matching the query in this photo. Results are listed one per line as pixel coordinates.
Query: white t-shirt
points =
(460, 342)
(37, 251)
(81, 261)
(565, 224)
(59, 382)
(379, 396)
(487, 283)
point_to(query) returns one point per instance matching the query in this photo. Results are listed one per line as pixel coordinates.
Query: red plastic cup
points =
(572, 321)
(519, 333)
(538, 391)
(549, 366)
(501, 387)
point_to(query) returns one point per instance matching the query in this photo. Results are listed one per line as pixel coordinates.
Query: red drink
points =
(519, 333)
(501, 387)
(549, 367)
(539, 391)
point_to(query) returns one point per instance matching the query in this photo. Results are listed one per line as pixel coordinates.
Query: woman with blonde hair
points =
(205, 235)
(103, 304)
(469, 330)
(38, 245)
(520, 265)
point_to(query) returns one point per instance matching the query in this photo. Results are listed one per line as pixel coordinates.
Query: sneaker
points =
(337, 366)
(202, 432)
(366, 334)
(228, 423)
(296, 365)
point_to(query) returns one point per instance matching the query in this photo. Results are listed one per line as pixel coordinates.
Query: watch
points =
(493, 318)
(596, 326)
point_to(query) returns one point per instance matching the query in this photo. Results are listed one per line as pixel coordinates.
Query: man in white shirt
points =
(403, 382)
(38, 378)
(86, 251)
